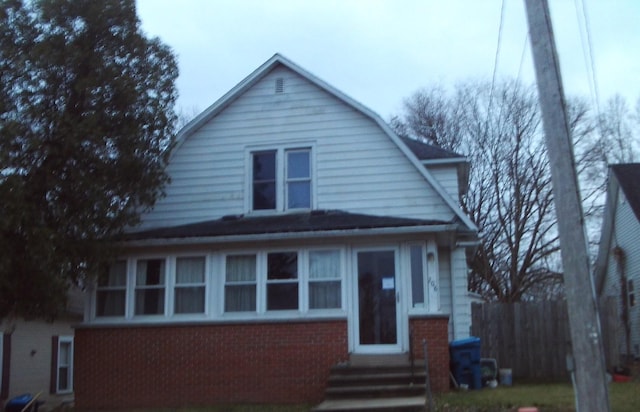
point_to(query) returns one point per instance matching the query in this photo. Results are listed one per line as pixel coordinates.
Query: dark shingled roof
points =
(315, 221)
(628, 176)
(424, 151)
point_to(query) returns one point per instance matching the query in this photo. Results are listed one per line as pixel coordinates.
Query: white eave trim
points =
(447, 161)
(293, 235)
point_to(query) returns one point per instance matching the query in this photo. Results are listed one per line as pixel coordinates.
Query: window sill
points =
(316, 316)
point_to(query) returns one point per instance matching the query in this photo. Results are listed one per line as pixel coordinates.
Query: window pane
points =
(417, 275)
(64, 354)
(241, 268)
(110, 302)
(264, 180)
(324, 295)
(63, 379)
(264, 166)
(190, 270)
(240, 298)
(189, 300)
(150, 272)
(117, 275)
(324, 264)
(149, 301)
(282, 296)
(264, 196)
(298, 164)
(282, 266)
(299, 195)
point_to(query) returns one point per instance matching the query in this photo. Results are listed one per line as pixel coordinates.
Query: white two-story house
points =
(297, 232)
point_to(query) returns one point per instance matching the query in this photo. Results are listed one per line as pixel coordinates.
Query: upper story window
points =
(281, 179)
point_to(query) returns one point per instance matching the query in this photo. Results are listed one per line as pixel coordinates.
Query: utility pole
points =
(590, 373)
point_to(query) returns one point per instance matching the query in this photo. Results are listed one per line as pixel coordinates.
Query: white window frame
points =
(173, 285)
(225, 283)
(216, 282)
(431, 277)
(65, 340)
(302, 281)
(165, 287)
(281, 175)
(308, 281)
(124, 288)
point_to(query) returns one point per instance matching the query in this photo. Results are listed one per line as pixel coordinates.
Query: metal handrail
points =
(427, 382)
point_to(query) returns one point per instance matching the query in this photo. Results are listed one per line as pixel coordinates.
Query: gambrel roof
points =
(418, 154)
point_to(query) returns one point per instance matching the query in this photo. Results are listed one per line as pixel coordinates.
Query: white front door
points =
(377, 315)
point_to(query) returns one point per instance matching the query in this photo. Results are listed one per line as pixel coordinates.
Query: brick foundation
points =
(172, 366)
(435, 331)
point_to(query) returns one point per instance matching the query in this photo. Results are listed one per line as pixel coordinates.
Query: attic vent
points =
(279, 85)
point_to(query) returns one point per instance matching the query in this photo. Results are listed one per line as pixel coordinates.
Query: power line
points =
(495, 65)
(585, 29)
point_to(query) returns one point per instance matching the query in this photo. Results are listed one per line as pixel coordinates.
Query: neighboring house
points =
(37, 356)
(297, 231)
(617, 271)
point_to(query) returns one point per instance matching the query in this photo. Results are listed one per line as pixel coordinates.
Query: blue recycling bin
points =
(465, 362)
(18, 403)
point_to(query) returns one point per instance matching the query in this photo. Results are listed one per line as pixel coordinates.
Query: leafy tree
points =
(86, 118)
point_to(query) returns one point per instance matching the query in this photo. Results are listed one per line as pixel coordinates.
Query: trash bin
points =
(465, 362)
(18, 403)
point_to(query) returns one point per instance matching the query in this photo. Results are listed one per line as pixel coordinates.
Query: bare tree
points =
(510, 192)
(510, 198)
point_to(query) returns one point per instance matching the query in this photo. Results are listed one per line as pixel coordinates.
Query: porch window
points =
(282, 281)
(190, 285)
(112, 290)
(417, 275)
(324, 279)
(240, 283)
(150, 287)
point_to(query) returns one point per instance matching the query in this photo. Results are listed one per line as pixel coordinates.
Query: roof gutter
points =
(292, 235)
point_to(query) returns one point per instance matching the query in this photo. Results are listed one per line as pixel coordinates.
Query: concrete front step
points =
(400, 404)
(373, 392)
(386, 378)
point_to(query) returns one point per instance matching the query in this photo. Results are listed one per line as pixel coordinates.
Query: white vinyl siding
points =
(447, 176)
(626, 234)
(32, 356)
(208, 173)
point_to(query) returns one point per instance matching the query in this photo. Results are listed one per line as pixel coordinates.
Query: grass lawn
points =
(554, 397)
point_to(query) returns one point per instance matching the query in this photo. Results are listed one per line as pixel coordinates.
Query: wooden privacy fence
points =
(533, 338)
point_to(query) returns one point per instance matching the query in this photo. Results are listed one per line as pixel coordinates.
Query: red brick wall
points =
(435, 331)
(172, 366)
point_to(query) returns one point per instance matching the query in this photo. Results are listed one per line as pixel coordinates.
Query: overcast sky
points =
(381, 51)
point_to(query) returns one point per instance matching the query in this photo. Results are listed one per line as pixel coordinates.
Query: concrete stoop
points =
(375, 385)
(406, 404)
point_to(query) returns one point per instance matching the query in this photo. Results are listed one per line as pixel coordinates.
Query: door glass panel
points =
(377, 298)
